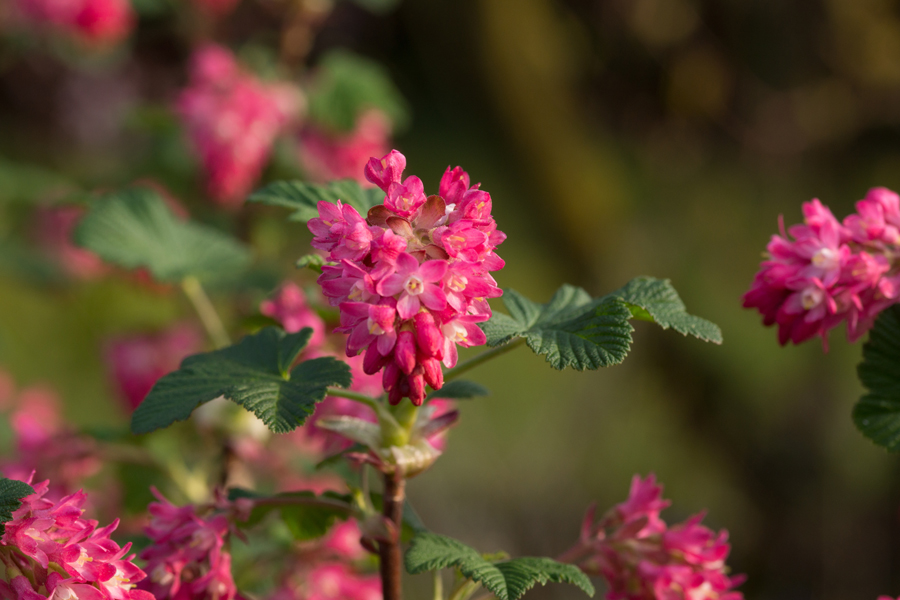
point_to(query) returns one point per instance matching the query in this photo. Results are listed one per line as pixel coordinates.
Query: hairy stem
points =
(390, 552)
(206, 311)
(481, 358)
(356, 396)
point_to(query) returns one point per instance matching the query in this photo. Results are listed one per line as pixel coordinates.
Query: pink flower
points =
(328, 156)
(45, 446)
(136, 362)
(412, 278)
(54, 229)
(830, 272)
(290, 308)
(98, 22)
(232, 119)
(187, 559)
(86, 562)
(642, 558)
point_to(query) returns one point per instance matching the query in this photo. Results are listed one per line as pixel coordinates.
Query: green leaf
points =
(508, 580)
(877, 414)
(652, 299)
(346, 85)
(135, 228)
(313, 262)
(572, 330)
(253, 373)
(460, 389)
(303, 198)
(306, 515)
(11, 494)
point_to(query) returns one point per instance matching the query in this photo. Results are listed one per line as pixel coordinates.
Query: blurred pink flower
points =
(54, 227)
(96, 22)
(327, 156)
(290, 308)
(187, 558)
(45, 446)
(642, 558)
(136, 362)
(232, 119)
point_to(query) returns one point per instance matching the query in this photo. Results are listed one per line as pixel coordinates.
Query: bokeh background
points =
(617, 138)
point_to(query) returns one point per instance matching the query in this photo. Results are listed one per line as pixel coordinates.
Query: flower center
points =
(811, 297)
(414, 285)
(374, 327)
(457, 283)
(826, 258)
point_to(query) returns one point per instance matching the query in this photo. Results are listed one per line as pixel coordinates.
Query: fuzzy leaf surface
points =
(303, 198)
(254, 373)
(652, 299)
(507, 580)
(11, 494)
(460, 389)
(877, 414)
(572, 330)
(135, 228)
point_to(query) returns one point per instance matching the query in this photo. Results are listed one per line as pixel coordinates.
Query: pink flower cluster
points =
(232, 119)
(187, 559)
(412, 277)
(100, 22)
(327, 573)
(43, 444)
(51, 551)
(136, 362)
(642, 558)
(831, 272)
(327, 156)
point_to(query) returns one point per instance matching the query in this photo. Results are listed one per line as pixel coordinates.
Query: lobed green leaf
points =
(254, 373)
(135, 228)
(652, 299)
(578, 331)
(877, 414)
(507, 580)
(572, 330)
(303, 198)
(11, 494)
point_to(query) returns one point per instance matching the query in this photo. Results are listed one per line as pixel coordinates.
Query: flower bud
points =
(390, 377)
(405, 352)
(373, 361)
(428, 335)
(417, 387)
(434, 376)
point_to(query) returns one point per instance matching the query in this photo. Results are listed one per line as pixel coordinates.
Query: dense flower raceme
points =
(642, 558)
(187, 558)
(98, 22)
(831, 272)
(327, 156)
(412, 277)
(51, 551)
(232, 119)
(136, 362)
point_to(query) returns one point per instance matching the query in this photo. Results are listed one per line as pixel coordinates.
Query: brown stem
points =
(389, 552)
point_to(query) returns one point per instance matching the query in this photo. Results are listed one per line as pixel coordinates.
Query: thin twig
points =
(206, 311)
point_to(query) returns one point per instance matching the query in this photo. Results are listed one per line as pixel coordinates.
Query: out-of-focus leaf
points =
(27, 183)
(303, 198)
(306, 515)
(135, 228)
(346, 85)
